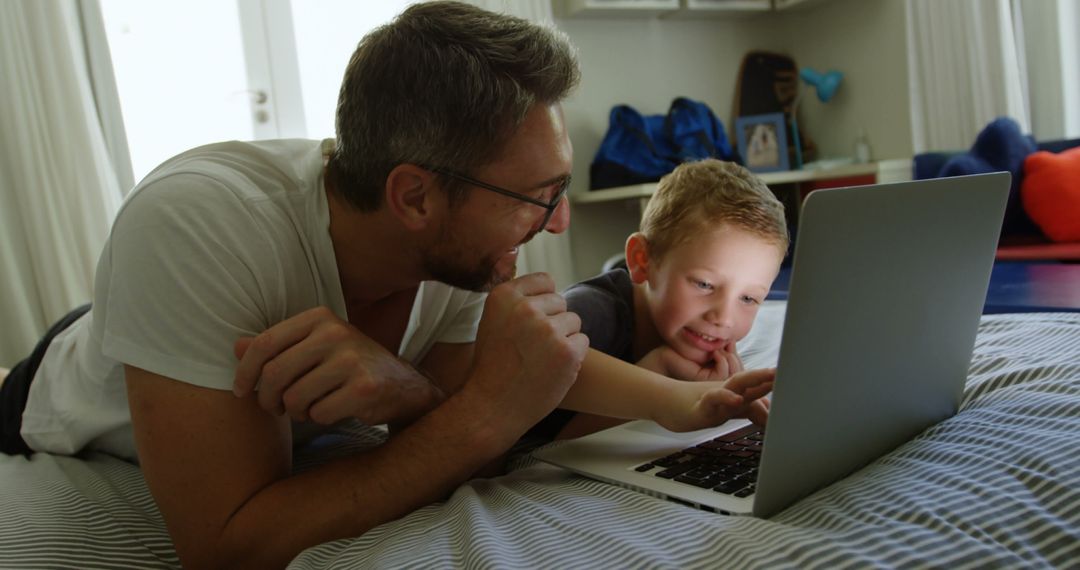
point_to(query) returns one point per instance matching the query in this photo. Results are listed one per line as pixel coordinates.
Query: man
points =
(339, 283)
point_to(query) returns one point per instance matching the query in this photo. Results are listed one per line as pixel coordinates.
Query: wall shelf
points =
(885, 171)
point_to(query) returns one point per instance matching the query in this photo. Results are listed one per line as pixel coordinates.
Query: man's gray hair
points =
(443, 85)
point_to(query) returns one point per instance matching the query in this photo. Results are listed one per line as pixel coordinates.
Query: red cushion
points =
(1051, 193)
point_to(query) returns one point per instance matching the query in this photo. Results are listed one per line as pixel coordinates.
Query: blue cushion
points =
(928, 164)
(999, 147)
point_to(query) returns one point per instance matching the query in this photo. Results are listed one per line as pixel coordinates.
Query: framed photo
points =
(762, 141)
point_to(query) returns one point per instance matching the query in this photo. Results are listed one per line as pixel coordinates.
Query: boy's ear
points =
(637, 257)
(412, 195)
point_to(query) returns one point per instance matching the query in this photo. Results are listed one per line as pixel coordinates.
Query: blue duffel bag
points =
(638, 149)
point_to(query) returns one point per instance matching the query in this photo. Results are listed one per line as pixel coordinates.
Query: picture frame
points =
(762, 142)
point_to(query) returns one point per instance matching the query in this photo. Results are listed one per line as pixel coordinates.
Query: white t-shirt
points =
(220, 242)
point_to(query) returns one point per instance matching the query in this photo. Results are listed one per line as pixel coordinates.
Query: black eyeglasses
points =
(550, 207)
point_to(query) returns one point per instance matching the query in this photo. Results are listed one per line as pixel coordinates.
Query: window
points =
(202, 71)
(327, 32)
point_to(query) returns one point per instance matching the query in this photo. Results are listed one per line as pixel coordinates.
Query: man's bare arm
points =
(218, 465)
(448, 365)
(218, 468)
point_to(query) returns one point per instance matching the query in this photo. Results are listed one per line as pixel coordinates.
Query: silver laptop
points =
(887, 288)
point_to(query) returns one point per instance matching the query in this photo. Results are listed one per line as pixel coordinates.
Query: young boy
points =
(710, 245)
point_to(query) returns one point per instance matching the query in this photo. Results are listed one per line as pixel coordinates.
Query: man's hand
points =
(698, 405)
(528, 351)
(665, 360)
(316, 366)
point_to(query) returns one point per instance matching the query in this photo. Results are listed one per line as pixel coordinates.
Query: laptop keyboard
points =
(727, 464)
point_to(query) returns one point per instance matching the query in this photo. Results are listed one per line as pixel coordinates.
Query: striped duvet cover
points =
(997, 485)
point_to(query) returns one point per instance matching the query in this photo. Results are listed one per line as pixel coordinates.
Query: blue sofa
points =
(1001, 147)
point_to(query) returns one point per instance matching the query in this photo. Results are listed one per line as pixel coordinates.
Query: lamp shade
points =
(824, 83)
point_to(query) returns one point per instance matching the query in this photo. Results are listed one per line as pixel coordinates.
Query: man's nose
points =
(560, 218)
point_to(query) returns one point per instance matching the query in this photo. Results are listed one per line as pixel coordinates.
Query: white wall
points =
(648, 62)
(867, 41)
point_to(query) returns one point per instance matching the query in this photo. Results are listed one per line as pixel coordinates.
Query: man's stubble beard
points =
(447, 261)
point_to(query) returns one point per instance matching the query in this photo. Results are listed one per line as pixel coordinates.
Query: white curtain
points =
(60, 183)
(546, 252)
(966, 68)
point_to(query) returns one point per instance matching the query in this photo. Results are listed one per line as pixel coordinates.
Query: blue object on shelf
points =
(825, 85)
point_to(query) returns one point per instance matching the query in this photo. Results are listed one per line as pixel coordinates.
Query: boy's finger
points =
(734, 362)
(722, 398)
(755, 392)
(758, 412)
(751, 378)
(727, 363)
(721, 359)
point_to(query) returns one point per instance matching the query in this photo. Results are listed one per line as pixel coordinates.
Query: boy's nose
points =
(720, 317)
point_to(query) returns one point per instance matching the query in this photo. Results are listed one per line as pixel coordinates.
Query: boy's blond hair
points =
(699, 196)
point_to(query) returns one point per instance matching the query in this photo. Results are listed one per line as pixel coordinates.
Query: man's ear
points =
(413, 195)
(637, 257)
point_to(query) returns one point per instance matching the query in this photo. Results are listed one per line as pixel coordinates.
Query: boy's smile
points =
(703, 295)
(703, 341)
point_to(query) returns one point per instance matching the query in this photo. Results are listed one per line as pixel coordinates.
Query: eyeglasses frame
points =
(549, 206)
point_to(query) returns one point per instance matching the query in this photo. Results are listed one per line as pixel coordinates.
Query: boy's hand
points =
(664, 360)
(726, 361)
(699, 405)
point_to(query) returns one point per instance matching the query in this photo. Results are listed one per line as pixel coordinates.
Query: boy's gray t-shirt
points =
(605, 304)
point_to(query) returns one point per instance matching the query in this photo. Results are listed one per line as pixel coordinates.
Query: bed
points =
(997, 485)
